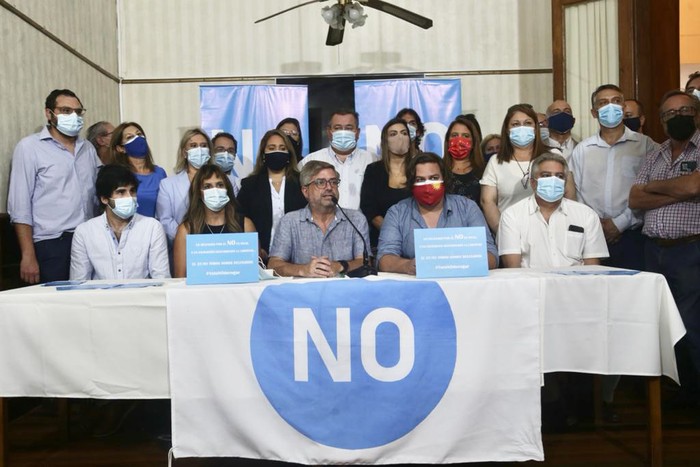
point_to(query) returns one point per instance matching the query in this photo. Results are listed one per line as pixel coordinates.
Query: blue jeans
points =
(680, 265)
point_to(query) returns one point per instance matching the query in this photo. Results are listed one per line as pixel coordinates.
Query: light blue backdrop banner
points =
(437, 101)
(248, 111)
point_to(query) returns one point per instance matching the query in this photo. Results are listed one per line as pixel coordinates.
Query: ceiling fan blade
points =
(335, 36)
(289, 9)
(401, 13)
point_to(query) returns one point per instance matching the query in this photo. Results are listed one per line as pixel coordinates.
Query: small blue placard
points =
(451, 252)
(222, 258)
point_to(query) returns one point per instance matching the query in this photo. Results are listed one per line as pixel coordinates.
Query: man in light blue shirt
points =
(318, 240)
(52, 189)
(119, 244)
(429, 207)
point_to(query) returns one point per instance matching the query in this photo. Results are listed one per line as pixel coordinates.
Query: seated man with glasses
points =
(545, 230)
(319, 240)
(52, 189)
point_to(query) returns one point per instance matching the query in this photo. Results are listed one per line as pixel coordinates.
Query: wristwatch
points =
(344, 265)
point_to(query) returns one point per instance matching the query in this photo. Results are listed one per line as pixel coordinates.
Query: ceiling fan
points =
(352, 12)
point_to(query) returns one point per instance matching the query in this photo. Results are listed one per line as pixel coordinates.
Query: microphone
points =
(366, 269)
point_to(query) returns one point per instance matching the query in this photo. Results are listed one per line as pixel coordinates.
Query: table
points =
(112, 344)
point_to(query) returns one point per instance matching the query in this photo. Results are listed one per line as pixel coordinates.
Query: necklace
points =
(526, 175)
(212, 232)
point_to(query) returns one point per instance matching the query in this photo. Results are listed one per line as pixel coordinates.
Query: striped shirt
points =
(675, 220)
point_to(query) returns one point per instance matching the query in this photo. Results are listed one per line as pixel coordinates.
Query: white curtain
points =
(592, 57)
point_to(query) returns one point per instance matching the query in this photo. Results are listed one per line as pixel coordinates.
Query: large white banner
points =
(357, 371)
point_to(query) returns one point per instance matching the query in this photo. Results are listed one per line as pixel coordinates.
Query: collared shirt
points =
(604, 175)
(566, 149)
(172, 202)
(396, 235)
(351, 170)
(140, 253)
(508, 179)
(675, 220)
(51, 189)
(573, 233)
(298, 238)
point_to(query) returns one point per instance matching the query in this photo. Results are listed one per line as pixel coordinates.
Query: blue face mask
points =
(343, 140)
(544, 134)
(215, 198)
(197, 157)
(69, 125)
(521, 136)
(412, 132)
(224, 160)
(610, 116)
(550, 189)
(136, 147)
(124, 208)
(562, 122)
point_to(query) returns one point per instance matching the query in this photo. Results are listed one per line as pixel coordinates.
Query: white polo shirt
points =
(573, 234)
(351, 170)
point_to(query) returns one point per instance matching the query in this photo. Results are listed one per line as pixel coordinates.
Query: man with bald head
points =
(560, 121)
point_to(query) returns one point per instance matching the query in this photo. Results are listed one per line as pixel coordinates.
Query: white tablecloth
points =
(113, 343)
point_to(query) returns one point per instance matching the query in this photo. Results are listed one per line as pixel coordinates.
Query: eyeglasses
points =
(323, 183)
(231, 151)
(69, 110)
(290, 132)
(685, 111)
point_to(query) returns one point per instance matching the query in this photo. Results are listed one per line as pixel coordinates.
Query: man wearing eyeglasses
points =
(604, 167)
(318, 240)
(225, 147)
(343, 131)
(667, 189)
(52, 189)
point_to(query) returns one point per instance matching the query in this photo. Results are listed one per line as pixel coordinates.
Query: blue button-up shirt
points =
(51, 189)
(298, 238)
(396, 236)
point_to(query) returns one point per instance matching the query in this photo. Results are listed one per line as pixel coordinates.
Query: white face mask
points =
(197, 157)
(69, 125)
(215, 198)
(124, 208)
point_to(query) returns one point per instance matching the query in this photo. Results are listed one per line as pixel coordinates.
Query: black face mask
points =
(277, 160)
(681, 127)
(633, 123)
(297, 147)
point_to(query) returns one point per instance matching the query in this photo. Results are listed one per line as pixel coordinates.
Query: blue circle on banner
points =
(354, 364)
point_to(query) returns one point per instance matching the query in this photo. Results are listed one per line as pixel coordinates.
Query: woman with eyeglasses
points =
(171, 205)
(384, 183)
(130, 148)
(463, 159)
(290, 127)
(506, 179)
(272, 189)
(212, 210)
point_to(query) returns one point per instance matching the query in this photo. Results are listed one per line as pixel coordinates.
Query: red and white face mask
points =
(459, 147)
(429, 192)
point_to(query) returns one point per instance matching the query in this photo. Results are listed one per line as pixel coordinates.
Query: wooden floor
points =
(35, 440)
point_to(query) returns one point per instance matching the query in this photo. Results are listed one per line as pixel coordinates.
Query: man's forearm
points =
(682, 188)
(25, 239)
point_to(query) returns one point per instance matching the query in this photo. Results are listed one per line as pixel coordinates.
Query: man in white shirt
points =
(119, 244)
(343, 131)
(546, 230)
(605, 167)
(560, 121)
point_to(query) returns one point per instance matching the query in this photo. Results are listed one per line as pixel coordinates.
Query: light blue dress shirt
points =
(51, 189)
(396, 235)
(172, 202)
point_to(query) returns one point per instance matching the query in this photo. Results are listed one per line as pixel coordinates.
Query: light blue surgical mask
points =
(215, 198)
(343, 140)
(610, 115)
(69, 125)
(197, 157)
(412, 132)
(521, 136)
(544, 134)
(224, 160)
(550, 189)
(124, 208)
